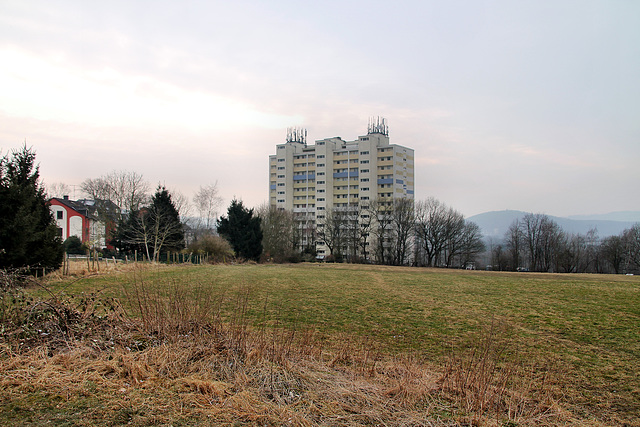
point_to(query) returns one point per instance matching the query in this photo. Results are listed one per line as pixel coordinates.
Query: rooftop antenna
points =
(378, 125)
(297, 135)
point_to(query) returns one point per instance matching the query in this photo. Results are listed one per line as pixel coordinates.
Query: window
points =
(281, 160)
(280, 176)
(59, 214)
(320, 174)
(320, 182)
(280, 192)
(320, 156)
(364, 171)
(281, 184)
(362, 153)
(320, 165)
(321, 199)
(281, 201)
(365, 189)
(364, 162)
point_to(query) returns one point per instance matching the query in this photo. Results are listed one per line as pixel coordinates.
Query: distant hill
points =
(628, 216)
(496, 223)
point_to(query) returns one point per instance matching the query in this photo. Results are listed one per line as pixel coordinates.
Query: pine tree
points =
(164, 221)
(242, 230)
(152, 229)
(29, 236)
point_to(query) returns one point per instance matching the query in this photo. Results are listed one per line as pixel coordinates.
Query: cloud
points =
(49, 90)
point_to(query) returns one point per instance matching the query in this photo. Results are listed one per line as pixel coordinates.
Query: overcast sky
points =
(527, 105)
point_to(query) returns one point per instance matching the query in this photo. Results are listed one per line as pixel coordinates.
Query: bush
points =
(217, 248)
(74, 246)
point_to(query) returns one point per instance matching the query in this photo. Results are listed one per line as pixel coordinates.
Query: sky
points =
(515, 104)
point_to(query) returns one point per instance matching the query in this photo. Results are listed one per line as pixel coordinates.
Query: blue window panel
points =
(399, 181)
(353, 174)
(385, 181)
(340, 175)
(409, 191)
(272, 187)
(303, 177)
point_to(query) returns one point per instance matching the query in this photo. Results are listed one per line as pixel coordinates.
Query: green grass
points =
(583, 329)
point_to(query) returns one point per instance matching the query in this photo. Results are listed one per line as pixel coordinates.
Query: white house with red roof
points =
(80, 218)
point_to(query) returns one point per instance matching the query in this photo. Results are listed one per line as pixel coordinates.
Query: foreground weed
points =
(487, 379)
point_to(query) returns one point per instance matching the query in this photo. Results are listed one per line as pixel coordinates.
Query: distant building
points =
(336, 174)
(89, 220)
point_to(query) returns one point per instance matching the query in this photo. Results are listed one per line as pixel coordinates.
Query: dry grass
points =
(197, 381)
(176, 355)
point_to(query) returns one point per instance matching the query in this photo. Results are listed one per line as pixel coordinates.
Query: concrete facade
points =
(338, 174)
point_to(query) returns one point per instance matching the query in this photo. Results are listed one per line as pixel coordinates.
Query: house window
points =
(59, 214)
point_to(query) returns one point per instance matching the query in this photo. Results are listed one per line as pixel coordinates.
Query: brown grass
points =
(167, 356)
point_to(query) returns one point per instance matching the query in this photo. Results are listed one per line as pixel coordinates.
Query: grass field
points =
(566, 346)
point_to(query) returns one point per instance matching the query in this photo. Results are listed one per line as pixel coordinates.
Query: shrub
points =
(215, 247)
(73, 245)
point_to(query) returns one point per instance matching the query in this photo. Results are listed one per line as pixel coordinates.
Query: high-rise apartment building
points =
(337, 175)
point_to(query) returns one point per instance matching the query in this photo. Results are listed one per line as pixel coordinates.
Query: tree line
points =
(399, 232)
(537, 243)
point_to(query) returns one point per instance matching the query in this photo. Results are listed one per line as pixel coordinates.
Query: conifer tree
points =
(242, 230)
(29, 236)
(152, 229)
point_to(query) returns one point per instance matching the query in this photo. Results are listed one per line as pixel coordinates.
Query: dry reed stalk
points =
(182, 359)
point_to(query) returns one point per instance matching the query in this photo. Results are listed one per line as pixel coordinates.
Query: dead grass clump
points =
(173, 356)
(488, 381)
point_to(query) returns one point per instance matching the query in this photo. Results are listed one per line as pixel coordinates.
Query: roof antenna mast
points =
(297, 135)
(378, 125)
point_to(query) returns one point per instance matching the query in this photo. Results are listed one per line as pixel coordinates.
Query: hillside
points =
(495, 223)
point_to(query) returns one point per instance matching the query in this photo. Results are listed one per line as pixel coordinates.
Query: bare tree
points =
(471, 243)
(333, 231)
(382, 212)
(279, 233)
(631, 238)
(430, 230)
(57, 189)
(613, 252)
(128, 190)
(514, 239)
(207, 202)
(453, 235)
(499, 258)
(403, 223)
(365, 224)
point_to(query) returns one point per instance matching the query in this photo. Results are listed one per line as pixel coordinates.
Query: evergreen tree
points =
(28, 233)
(152, 229)
(242, 230)
(164, 221)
